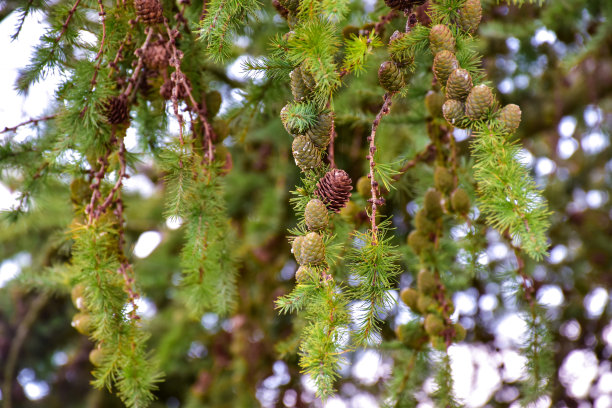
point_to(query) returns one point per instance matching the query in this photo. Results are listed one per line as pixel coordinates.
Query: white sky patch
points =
(461, 134)
(147, 242)
(513, 44)
(370, 367)
(130, 140)
(545, 166)
(506, 86)
(543, 35)
(521, 81)
(139, 183)
(557, 254)
(593, 115)
(578, 372)
(146, 308)
(594, 142)
(9, 200)
(335, 402)
(596, 198)
(571, 329)
(567, 126)
(510, 330)
(497, 251)
(596, 301)
(475, 374)
(567, 147)
(11, 268)
(488, 302)
(174, 223)
(550, 295)
(465, 303)
(526, 158)
(514, 365)
(237, 70)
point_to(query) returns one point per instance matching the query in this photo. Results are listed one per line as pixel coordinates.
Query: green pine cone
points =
(443, 179)
(96, 356)
(426, 304)
(296, 248)
(441, 38)
(306, 154)
(291, 129)
(433, 102)
(434, 325)
(78, 296)
(390, 77)
(412, 335)
(315, 215)
(460, 201)
(423, 223)
(470, 15)
(300, 91)
(426, 282)
(458, 85)
(478, 102)
(364, 187)
(453, 111)
(82, 323)
(444, 63)
(510, 117)
(320, 132)
(308, 78)
(312, 249)
(419, 242)
(432, 204)
(410, 297)
(303, 273)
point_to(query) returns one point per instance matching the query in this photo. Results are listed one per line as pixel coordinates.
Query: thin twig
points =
(28, 122)
(64, 27)
(102, 43)
(424, 156)
(140, 53)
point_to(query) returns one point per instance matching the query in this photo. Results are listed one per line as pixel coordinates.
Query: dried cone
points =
(510, 117)
(403, 4)
(478, 102)
(444, 63)
(453, 111)
(390, 77)
(312, 250)
(433, 102)
(334, 189)
(440, 39)
(459, 85)
(299, 89)
(156, 55)
(320, 132)
(116, 110)
(470, 15)
(315, 215)
(307, 156)
(291, 5)
(167, 87)
(149, 11)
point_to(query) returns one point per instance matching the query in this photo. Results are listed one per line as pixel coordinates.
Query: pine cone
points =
(453, 111)
(441, 38)
(459, 85)
(443, 179)
(320, 132)
(478, 102)
(390, 77)
(433, 102)
(308, 78)
(315, 215)
(149, 11)
(334, 189)
(166, 89)
(403, 4)
(431, 203)
(312, 251)
(444, 63)
(303, 273)
(296, 248)
(306, 154)
(433, 325)
(291, 5)
(460, 201)
(470, 15)
(299, 89)
(156, 56)
(116, 110)
(510, 117)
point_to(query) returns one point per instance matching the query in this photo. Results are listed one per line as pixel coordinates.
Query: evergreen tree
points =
(374, 169)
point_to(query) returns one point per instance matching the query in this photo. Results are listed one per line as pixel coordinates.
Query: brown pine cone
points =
(156, 55)
(166, 89)
(403, 4)
(334, 189)
(116, 110)
(149, 11)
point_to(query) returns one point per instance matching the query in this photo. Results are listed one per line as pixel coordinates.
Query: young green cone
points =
(390, 77)
(453, 111)
(441, 38)
(312, 250)
(458, 85)
(510, 117)
(460, 201)
(443, 179)
(306, 154)
(478, 102)
(444, 63)
(433, 325)
(300, 91)
(470, 15)
(410, 297)
(315, 215)
(320, 132)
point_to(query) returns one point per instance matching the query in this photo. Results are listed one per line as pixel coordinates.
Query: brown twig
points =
(102, 43)
(139, 53)
(375, 200)
(424, 156)
(384, 20)
(64, 27)
(28, 122)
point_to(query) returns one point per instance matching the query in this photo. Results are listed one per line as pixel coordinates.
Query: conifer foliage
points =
(351, 118)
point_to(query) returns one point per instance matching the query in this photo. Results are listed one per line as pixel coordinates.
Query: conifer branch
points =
(33, 121)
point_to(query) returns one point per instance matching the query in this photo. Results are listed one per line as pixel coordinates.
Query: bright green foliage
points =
(357, 49)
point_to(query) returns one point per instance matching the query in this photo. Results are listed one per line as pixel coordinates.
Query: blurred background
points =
(553, 60)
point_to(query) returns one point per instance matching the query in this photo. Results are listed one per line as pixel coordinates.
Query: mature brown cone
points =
(149, 11)
(334, 188)
(403, 4)
(166, 89)
(156, 55)
(116, 110)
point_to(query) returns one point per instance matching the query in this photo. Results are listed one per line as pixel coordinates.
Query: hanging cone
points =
(320, 132)
(149, 11)
(301, 92)
(510, 117)
(459, 85)
(443, 179)
(156, 56)
(334, 189)
(440, 39)
(116, 110)
(444, 63)
(315, 215)
(453, 111)
(306, 154)
(470, 15)
(460, 201)
(478, 102)
(312, 249)
(390, 77)
(403, 4)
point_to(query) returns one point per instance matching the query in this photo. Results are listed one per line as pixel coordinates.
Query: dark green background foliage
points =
(224, 343)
